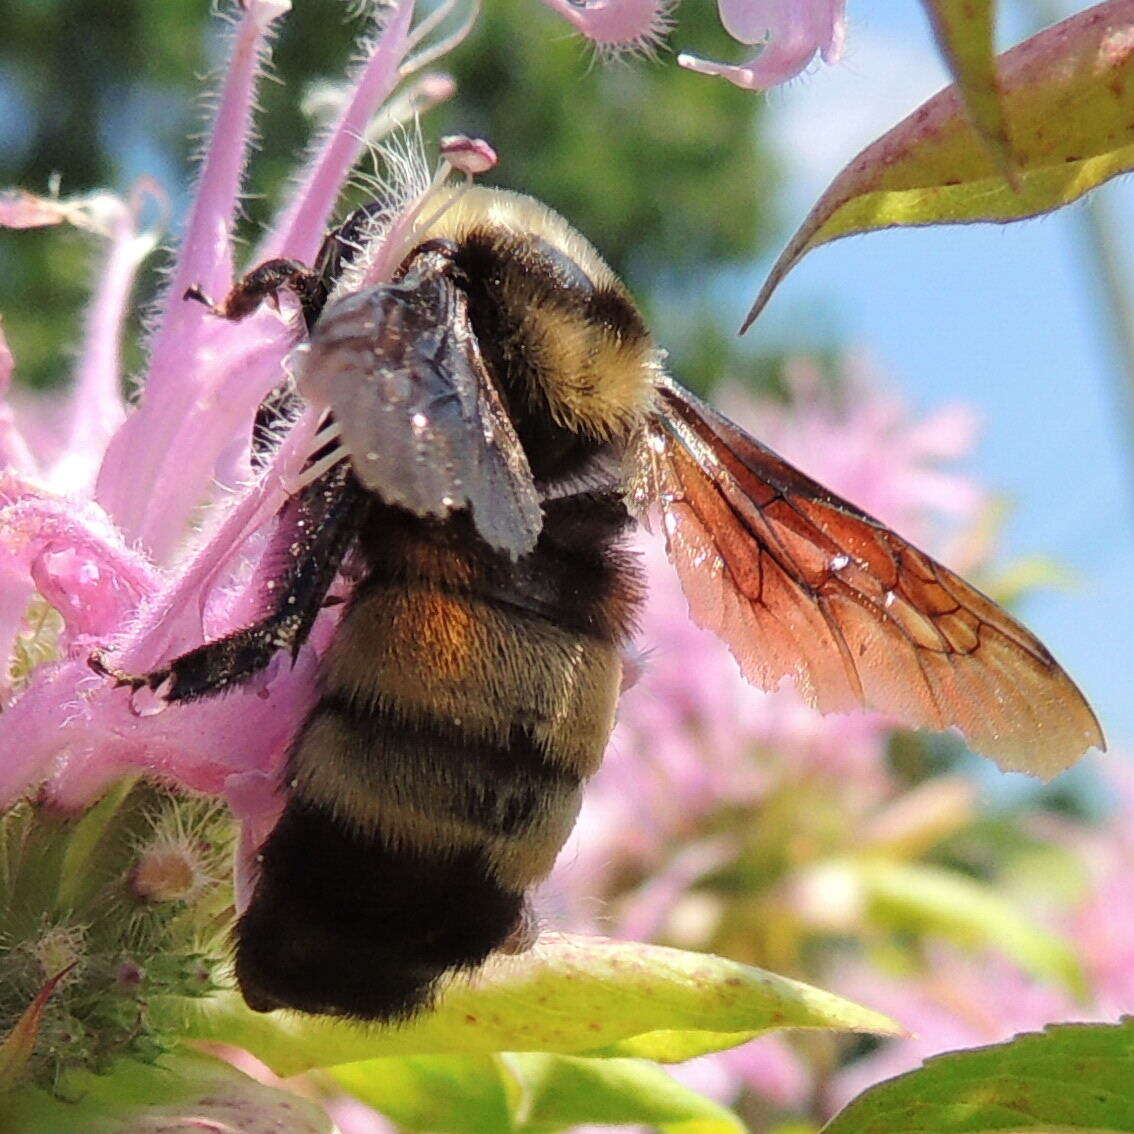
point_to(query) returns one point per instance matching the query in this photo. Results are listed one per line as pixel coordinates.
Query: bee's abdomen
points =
(342, 923)
(463, 703)
(414, 778)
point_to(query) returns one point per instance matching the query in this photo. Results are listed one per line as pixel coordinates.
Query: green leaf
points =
(185, 1091)
(77, 880)
(965, 31)
(928, 899)
(1071, 1077)
(561, 1091)
(449, 1094)
(674, 1046)
(528, 1093)
(1068, 102)
(571, 995)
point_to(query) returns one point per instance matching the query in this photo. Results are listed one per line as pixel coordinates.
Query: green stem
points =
(1104, 241)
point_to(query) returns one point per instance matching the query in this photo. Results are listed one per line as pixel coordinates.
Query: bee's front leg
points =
(97, 662)
(315, 530)
(263, 285)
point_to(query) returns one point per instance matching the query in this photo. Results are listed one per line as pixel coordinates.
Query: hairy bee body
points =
(464, 701)
(466, 696)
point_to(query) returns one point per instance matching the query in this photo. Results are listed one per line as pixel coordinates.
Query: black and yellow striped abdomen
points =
(463, 703)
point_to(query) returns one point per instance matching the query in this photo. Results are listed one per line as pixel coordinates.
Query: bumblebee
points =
(499, 417)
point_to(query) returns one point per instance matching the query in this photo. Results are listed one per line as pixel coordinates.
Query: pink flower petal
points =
(298, 229)
(469, 155)
(77, 560)
(618, 25)
(74, 729)
(15, 453)
(792, 33)
(20, 209)
(15, 595)
(42, 727)
(96, 407)
(173, 621)
(803, 23)
(173, 421)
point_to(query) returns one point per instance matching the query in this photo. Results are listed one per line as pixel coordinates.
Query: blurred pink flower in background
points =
(791, 33)
(1102, 923)
(959, 1001)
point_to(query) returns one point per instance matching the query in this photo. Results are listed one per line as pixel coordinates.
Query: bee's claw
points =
(96, 661)
(197, 295)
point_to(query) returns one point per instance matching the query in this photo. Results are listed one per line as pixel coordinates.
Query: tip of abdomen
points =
(342, 924)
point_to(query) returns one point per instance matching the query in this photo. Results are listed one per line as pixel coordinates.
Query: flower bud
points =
(469, 155)
(168, 872)
(60, 949)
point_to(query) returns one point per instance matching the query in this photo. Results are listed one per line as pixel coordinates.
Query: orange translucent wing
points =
(802, 584)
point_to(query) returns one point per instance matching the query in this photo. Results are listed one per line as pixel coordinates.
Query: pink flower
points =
(791, 33)
(105, 529)
(618, 27)
(1102, 922)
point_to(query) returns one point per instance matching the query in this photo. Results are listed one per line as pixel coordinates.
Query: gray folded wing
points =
(426, 429)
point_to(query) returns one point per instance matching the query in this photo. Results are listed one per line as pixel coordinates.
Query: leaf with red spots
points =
(567, 995)
(1067, 98)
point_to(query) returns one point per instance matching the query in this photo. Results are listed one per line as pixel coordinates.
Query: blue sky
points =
(1001, 317)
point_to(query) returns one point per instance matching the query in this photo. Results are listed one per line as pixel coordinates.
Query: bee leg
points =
(274, 414)
(263, 285)
(316, 528)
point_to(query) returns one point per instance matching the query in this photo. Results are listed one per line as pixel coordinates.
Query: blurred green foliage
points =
(662, 169)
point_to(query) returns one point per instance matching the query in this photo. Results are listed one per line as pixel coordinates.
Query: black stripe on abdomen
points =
(341, 923)
(433, 767)
(576, 579)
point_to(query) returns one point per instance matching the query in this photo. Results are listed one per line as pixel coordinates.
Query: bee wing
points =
(800, 583)
(400, 368)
